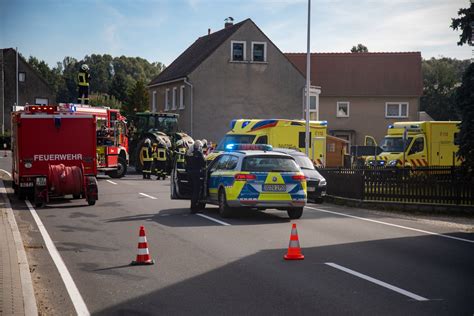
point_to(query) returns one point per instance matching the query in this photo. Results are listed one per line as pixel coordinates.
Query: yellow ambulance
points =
(419, 144)
(279, 133)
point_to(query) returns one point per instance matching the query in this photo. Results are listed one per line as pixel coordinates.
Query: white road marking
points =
(148, 196)
(109, 181)
(213, 219)
(76, 298)
(8, 173)
(378, 282)
(393, 225)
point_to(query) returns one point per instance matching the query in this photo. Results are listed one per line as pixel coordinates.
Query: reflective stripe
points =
(143, 251)
(161, 154)
(82, 79)
(141, 239)
(294, 244)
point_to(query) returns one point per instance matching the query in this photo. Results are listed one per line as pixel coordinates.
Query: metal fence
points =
(440, 185)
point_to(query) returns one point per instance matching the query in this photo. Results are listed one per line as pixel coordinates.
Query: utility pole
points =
(308, 81)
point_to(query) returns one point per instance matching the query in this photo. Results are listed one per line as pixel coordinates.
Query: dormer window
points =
(259, 51)
(238, 51)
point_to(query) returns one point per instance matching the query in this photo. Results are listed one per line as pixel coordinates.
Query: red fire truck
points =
(112, 140)
(48, 157)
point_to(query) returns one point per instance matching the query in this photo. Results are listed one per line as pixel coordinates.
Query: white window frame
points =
(181, 97)
(153, 101)
(314, 91)
(232, 51)
(264, 52)
(343, 103)
(399, 109)
(173, 104)
(21, 75)
(167, 99)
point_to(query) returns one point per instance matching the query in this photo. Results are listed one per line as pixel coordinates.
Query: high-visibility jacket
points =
(83, 78)
(146, 154)
(160, 154)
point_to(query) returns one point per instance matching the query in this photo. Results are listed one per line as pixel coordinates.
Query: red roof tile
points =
(363, 74)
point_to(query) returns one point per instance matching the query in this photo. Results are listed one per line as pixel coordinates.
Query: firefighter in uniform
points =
(83, 79)
(159, 160)
(147, 155)
(180, 152)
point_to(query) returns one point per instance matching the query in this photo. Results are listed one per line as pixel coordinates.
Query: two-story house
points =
(29, 86)
(363, 93)
(236, 72)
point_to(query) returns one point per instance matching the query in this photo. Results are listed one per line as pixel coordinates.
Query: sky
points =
(160, 30)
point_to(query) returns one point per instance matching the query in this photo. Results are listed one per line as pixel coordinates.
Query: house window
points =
(153, 102)
(331, 147)
(181, 97)
(41, 101)
(396, 109)
(174, 98)
(259, 51)
(342, 109)
(21, 76)
(313, 103)
(167, 99)
(238, 51)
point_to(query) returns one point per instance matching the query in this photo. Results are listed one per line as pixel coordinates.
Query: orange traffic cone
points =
(294, 250)
(143, 256)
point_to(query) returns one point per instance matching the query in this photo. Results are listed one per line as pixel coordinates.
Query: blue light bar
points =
(263, 147)
(390, 126)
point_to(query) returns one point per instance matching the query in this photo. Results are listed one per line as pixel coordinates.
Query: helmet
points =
(147, 141)
(85, 67)
(204, 143)
(179, 143)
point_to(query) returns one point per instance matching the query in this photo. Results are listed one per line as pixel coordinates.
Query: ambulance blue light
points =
(324, 123)
(232, 124)
(390, 126)
(245, 123)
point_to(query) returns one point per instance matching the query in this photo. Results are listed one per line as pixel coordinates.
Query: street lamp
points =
(308, 67)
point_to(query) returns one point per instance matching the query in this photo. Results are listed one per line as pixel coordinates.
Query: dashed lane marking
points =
(378, 282)
(393, 225)
(213, 219)
(74, 294)
(109, 181)
(148, 196)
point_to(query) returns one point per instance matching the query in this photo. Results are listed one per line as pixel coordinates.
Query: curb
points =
(427, 208)
(29, 300)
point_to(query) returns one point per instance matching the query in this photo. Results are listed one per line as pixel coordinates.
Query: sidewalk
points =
(16, 289)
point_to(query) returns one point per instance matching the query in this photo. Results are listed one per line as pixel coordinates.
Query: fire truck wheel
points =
(39, 204)
(121, 170)
(91, 202)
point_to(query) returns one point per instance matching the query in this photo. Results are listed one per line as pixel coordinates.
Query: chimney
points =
(208, 31)
(229, 22)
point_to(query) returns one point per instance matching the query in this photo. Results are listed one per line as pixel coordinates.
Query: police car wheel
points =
(295, 213)
(224, 209)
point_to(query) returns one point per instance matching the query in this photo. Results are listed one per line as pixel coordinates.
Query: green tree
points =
(359, 49)
(137, 99)
(119, 87)
(465, 105)
(105, 100)
(440, 79)
(463, 22)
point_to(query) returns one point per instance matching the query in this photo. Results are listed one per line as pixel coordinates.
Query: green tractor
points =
(161, 128)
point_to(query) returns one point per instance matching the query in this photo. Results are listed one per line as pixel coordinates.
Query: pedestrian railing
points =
(440, 185)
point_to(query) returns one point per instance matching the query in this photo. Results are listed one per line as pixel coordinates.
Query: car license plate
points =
(274, 187)
(311, 189)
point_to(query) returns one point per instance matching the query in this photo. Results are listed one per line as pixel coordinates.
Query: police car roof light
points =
(263, 147)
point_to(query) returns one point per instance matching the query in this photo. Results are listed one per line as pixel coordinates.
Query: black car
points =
(316, 184)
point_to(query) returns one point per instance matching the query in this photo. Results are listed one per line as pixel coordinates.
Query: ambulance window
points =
(262, 140)
(418, 146)
(302, 140)
(232, 163)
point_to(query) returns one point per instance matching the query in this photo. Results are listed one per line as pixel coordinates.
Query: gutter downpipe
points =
(16, 76)
(191, 103)
(3, 94)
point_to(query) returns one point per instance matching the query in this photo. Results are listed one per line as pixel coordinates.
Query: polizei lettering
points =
(56, 157)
